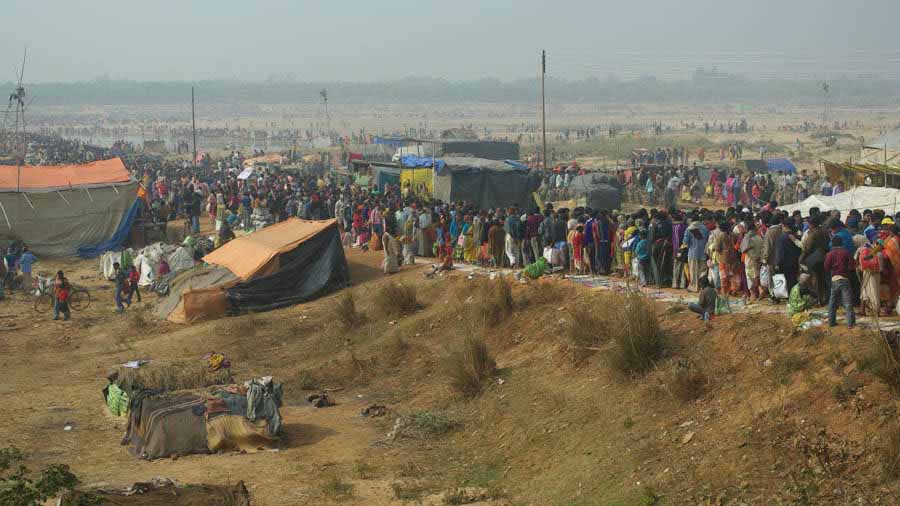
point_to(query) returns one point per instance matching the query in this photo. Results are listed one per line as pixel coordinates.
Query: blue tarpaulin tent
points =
(421, 161)
(119, 236)
(781, 165)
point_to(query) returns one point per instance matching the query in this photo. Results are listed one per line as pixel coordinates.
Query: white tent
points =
(860, 198)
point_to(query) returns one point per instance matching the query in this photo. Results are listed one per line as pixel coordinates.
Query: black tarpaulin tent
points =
(485, 183)
(599, 191)
(315, 267)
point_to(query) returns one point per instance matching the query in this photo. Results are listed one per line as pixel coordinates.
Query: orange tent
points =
(257, 254)
(44, 177)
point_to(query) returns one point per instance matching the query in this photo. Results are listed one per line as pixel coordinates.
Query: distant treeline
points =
(709, 86)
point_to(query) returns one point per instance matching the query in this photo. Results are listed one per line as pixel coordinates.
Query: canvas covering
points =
(248, 254)
(861, 197)
(56, 223)
(46, 178)
(485, 183)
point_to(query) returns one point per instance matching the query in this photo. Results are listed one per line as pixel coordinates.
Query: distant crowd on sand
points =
(750, 249)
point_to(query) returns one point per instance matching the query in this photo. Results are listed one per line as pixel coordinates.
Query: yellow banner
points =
(419, 180)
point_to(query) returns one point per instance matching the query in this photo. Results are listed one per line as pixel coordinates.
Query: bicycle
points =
(79, 298)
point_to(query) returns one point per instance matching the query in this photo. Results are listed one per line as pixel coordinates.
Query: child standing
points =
(61, 297)
(642, 253)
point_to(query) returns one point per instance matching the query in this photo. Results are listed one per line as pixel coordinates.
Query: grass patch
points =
(687, 381)
(139, 321)
(638, 341)
(240, 326)
(495, 301)
(337, 489)
(345, 311)
(888, 454)
(363, 470)
(649, 497)
(628, 423)
(785, 365)
(589, 330)
(427, 424)
(395, 299)
(407, 491)
(470, 366)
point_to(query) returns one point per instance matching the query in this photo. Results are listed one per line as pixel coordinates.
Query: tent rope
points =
(63, 197)
(8, 224)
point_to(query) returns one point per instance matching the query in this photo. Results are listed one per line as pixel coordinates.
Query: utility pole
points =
(543, 111)
(193, 127)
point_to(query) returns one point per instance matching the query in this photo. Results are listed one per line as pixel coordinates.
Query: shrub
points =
(889, 452)
(407, 491)
(345, 311)
(495, 302)
(470, 366)
(20, 487)
(395, 299)
(638, 341)
(687, 381)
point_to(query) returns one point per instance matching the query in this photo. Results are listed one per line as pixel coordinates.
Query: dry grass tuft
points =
(345, 311)
(396, 299)
(470, 366)
(239, 326)
(638, 342)
(170, 376)
(337, 489)
(889, 453)
(495, 301)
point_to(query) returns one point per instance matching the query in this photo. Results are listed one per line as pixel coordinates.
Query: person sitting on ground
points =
(706, 301)
(801, 296)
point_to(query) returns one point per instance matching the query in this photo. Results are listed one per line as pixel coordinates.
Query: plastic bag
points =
(764, 276)
(780, 290)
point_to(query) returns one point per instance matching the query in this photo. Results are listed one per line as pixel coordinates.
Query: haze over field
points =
(466, 40)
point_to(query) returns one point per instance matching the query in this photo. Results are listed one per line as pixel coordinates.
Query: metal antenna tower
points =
(17, 141)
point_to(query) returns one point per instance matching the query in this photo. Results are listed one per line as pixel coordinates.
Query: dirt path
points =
(54, 373)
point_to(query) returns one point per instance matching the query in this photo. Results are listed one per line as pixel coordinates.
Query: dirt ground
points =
(556, 426)
(54, 373)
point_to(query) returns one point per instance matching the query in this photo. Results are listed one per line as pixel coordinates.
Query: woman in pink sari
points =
(729, 188)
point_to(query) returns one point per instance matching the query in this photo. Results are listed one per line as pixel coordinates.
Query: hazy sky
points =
(355, 40)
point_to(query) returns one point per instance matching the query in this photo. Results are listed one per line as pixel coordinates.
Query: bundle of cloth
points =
(231, 418)
(147, 261)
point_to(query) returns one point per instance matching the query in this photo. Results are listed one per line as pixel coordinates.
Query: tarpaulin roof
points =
(51, 177)
(469, 164)
(861, 197)
(781, 165)
(247, 255)
(421, 161)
